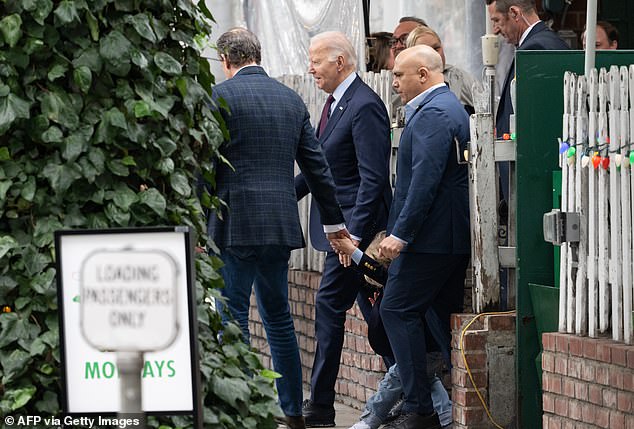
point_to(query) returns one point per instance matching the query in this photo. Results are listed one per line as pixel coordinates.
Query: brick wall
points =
(587, 383)
(489, 347)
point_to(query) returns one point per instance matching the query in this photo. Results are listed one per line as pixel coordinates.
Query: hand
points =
(390, 247)
(345, 260)
(373, 298)
(342, 233)
(343, 246)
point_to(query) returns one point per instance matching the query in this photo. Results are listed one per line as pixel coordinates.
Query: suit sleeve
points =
(432, 142)
(372, 269)
(316, 176)
(371, 139)
(301, 187)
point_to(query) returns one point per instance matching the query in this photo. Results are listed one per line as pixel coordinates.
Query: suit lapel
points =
(340, 108)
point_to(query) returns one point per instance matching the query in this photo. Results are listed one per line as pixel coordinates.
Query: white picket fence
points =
(596, 157)
(308, 258)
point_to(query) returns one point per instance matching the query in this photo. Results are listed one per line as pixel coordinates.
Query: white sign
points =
(90, 377)
(128, 300)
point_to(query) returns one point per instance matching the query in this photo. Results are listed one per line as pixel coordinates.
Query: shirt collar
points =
(244, 67)
(412, 105)
(341, 89)
(525, 33)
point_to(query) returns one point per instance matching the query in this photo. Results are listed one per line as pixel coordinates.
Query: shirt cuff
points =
(334, 228)
(398, 239)
(356, 256)
(354, 237)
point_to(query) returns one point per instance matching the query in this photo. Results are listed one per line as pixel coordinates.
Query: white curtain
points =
(285, 27)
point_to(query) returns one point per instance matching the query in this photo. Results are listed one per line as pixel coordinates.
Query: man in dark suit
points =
(428, 227)
(269, 128)
(518, 23)
(354, 131)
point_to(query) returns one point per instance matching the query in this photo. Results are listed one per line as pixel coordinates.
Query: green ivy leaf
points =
(89, 58)
(166, 145)
(115, 50)
(167, 63)
(7, 243)
(142, 109)
(57, 107)
(180, 184)
(66, 12)
(42, 10)
(12, 107)
(234, 392)
(154, 200)
(83, 78)
(11, 29)
(28, 189)
(116, 215)
(20, 397)
(76, 143)
(124, 197)
(13, 327)
(4, 154)
(52, 135)
(44, 229)
(61, 177)
(141, 24)
(42, 283)
(93, 25)
(58, 70)
(117, 167)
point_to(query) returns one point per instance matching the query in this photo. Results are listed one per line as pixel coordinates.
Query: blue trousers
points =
(416, 282)
(265, 268)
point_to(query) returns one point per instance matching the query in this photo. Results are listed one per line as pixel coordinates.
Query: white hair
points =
(336, 44)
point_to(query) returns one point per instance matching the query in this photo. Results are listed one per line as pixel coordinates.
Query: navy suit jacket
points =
(539, 38)
(356, 142)
(269, 128)
(431, 199)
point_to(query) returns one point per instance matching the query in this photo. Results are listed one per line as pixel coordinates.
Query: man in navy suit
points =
(354, 131)
(269, 129)
(517, 21)
(428, 227)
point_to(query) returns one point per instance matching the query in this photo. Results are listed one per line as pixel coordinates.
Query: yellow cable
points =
(464, 359)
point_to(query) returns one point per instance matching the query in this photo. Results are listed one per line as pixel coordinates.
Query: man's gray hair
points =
(337, 44)
(503, 6)
(239, 46)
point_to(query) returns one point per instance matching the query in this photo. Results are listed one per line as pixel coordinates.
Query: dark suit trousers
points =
(337, 292)
(416, 282)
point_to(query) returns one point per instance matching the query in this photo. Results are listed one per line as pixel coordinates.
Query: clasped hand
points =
(343, 245)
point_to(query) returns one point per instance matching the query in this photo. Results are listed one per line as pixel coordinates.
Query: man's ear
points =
(340, 62)
(423, 74)
(514, 12)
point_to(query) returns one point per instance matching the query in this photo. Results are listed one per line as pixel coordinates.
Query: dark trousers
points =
(337, 292)
(416, 282)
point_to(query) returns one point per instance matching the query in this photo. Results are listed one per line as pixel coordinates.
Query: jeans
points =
(389, 392)
(265, 268)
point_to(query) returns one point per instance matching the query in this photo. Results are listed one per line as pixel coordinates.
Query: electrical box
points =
(561, 227)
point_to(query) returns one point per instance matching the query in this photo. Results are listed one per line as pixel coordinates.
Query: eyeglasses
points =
(393, 41)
